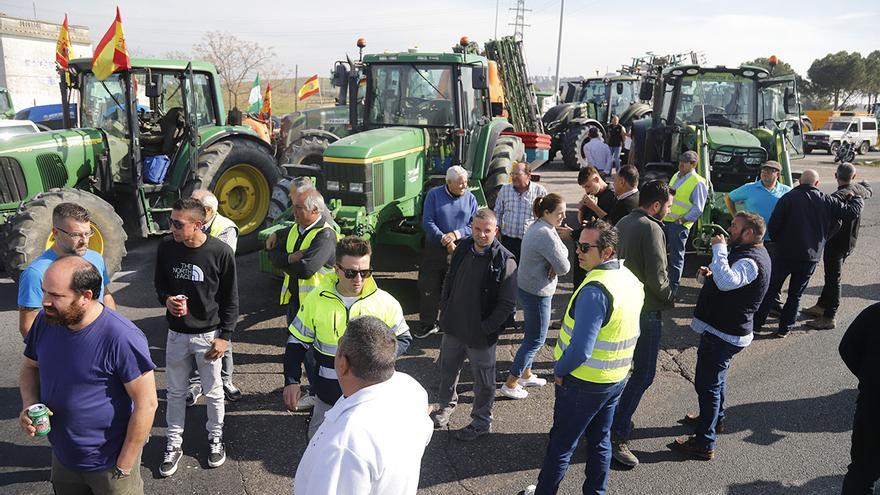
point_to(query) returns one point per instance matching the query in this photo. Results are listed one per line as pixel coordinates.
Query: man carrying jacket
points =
(478, 295)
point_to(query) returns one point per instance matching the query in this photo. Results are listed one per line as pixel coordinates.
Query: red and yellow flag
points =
(63, 49)
(267, 101)
(111, 54)
(309, 88)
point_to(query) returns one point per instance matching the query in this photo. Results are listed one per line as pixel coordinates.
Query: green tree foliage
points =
(871, 85)
(809, 96)
(841, 75)
(782, 68)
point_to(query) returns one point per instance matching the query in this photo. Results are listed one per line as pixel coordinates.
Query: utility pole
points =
(559, 47)
(519, 23)
(295, 87)
(497, 5)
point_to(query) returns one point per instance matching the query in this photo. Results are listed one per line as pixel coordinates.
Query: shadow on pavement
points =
(819, 486)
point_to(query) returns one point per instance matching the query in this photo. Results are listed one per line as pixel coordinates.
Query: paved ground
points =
(789, 401)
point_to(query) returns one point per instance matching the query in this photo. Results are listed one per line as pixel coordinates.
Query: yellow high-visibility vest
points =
(305, 285)
(681, 203)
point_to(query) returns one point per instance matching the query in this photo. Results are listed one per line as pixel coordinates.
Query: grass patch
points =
(867, 162)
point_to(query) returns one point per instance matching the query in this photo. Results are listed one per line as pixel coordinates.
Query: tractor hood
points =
(731, 137)
(376, 145)
(69, 143)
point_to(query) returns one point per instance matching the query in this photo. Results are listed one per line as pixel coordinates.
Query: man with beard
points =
(91, 368)
(72, 229)
(734, 288)
(643, 249)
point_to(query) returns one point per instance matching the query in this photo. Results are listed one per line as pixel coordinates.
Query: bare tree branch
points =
(236, 60)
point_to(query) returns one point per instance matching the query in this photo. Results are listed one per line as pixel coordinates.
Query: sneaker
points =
(470, 432)
(691, 419)
(781, 334)
(688, 446)
(193, 396)
(620, 452)
(305, 403)
(170, 461)
(440, 416)
(815, 311)
(530, 490)
(233, 393)
(217, 454)
(822, 323)
(425, 331)
(532, 381)
(517, 392)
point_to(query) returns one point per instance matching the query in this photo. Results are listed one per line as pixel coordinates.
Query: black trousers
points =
(513, 244)
(864, 468)
(830, 298)
(432, 272)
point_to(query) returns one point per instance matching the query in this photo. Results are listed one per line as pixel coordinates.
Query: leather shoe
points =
(688, 445)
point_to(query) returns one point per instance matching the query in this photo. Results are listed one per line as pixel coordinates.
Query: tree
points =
(782, 68)
(236, 60)
(838, 74)
(809, 96)
(871, 85)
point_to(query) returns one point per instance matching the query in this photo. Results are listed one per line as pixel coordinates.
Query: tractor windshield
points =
(103, 104)
(725, 100)
(412, 95)
(594, 92)
(623, 94)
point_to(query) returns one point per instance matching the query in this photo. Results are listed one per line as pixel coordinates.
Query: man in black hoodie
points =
(478, 295)
(801, 223)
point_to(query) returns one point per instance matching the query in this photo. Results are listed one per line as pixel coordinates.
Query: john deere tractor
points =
(421, 114)
(734, 118)
(159, 112)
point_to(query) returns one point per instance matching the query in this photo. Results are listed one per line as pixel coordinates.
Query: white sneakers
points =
(532, 381)
(519, 392)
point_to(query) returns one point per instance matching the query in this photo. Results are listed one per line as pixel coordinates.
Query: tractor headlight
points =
(752, 160)
(332, 185)
(356, 187)
(722, 157)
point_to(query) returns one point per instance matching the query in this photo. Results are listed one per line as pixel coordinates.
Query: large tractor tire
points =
(573, 146)
(280, 201)
(308, 150)
(29, 231)
(508, 149)
(241, 173)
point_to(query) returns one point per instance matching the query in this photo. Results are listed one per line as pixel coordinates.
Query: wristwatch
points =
(119, 473)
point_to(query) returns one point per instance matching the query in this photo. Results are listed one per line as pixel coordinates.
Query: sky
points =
(598, 36)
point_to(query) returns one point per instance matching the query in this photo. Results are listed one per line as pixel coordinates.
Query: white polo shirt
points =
(369, 443)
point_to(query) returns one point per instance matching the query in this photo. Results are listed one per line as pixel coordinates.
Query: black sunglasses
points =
(585, 246)
(352, 273)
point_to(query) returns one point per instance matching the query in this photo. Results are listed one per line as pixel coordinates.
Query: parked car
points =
(861, 131)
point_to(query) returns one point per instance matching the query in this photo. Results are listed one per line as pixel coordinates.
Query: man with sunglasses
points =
(71, 229)
(347, 293)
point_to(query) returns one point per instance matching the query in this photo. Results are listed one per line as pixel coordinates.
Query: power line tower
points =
(520, 22)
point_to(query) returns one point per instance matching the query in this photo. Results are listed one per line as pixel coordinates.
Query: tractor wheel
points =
(508, 149)
(573, 146)
(280, 201)
(29, 231)
(307, 151)
(864, 148)
(241, 174)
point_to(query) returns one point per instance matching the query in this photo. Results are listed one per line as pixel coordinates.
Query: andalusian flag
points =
(255, 99)
(267, 101)
(63, 49)
(110, 54)
(309, 88)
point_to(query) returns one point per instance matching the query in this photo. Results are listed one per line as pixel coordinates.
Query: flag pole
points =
(295, 84)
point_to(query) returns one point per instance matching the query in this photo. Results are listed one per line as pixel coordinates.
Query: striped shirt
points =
(728, 277)
(514, 209)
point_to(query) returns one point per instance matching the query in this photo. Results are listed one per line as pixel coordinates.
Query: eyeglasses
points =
(352, 273)
(177, 224)
(77, 235)
(585, 246)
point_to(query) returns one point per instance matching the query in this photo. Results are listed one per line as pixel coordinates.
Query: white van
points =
(861, 131)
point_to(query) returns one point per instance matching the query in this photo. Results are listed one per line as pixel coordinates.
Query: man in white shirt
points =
(373, 439)
(597, 152)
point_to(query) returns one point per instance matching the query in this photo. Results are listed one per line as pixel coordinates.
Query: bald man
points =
(91, 368)
(800, 224)
(216, 225)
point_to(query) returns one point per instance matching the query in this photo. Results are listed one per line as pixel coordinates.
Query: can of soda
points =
(701, 279)
(182, 299)
(39, 414)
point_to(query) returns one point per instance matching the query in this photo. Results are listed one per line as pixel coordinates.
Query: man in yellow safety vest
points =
(691, 193)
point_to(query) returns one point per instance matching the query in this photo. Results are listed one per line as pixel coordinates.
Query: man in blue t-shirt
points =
(72, 229)
(760, 196)
(91, 368)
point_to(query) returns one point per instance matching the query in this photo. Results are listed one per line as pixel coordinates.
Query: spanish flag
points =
(309, 88)
(63, 49)
(267, 101)
(110, 54)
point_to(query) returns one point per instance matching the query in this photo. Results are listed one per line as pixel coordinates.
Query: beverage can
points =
(39, 414)
(701, 279)
(182, 299)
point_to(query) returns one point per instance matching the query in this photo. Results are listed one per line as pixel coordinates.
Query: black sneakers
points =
(217, 454)
(232, 393)
(169, 461)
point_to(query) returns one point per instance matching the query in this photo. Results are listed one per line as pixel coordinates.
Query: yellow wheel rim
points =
(96, 242)
(243, 194)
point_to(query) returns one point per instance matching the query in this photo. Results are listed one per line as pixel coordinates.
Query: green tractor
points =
(162, 112)
(421, 113)
(734, 118)
(7, 111)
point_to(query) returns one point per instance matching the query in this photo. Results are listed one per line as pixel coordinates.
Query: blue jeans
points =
(643, 370)
(676, 239)
(782, 268)
(713, 361)
(536, 321)
(580, 408)
(615, 158)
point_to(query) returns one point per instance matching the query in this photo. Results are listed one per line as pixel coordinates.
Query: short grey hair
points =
(314, 201)
(370, 348)
(300, 183)
(845, 171)
(688, 157)
(207, 198)
(456, 172)
(486, 214)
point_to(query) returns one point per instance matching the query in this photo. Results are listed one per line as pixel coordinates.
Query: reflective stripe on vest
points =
(681, 203)
(616, 342)
(304, 285)
(219, 224)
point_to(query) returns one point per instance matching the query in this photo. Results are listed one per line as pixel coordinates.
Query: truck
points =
(860, 130)
(735, 119)
(160, 111)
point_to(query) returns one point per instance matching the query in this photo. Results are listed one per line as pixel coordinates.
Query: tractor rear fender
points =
(329, 136)
(588, 122)
(238, 134)
(484, 151)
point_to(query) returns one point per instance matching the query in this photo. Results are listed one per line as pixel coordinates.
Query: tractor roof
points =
(426, 58)
(748, 71)
(85, 64)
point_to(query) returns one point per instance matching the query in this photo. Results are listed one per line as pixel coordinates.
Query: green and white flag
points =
(255, 99)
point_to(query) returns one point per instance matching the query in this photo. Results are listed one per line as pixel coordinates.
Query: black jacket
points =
(497, 293)
(844, 239)
(804, 219)
(860, 346)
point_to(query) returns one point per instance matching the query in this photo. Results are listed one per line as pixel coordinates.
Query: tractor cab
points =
(610, 95)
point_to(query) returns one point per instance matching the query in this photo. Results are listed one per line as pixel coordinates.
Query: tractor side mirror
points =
(480, 78)
(618, 88)
(152, 89)
(646, 91)
(340, 75)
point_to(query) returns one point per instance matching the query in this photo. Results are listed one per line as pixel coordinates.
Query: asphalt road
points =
(789, 402)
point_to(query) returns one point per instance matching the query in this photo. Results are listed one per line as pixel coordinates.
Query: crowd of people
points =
(370, 424)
